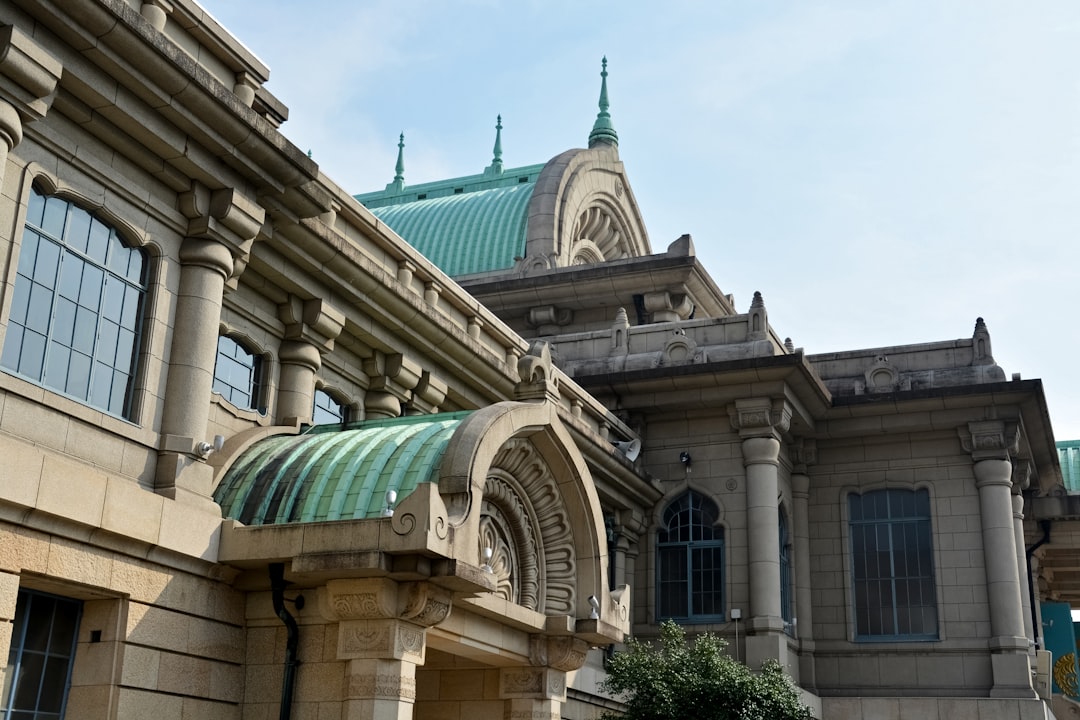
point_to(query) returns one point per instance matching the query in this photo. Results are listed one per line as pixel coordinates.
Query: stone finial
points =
(620, 333)
(496, 166)
(398, 185)
(980, 345)
(603, 131)
(788, 345)
(537, 373)
(757, 319)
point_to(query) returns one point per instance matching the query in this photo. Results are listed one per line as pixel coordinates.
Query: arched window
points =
(690, 561)
(892, 565)
(238, 374)
(76, 314)
(786, 606)
(327, 409)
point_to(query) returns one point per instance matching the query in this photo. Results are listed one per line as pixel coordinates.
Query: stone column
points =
(382, 629)
(11, 133)
(310, 329)
(538, 692)
(805, 454)
(1020, 481)
(990, 443)
(760, 426)
(393, 377)
(222, 227)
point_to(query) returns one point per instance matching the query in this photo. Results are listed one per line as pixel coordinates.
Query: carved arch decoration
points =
(513, 480)
(528, 530)
(582, 212)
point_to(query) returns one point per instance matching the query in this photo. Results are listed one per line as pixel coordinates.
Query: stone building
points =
(259, 452)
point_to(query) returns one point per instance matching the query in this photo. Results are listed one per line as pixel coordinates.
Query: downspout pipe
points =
(1045, 525)
(288, 683)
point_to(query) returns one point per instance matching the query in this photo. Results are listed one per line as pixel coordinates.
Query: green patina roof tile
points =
(1069, 457)
(333, 472)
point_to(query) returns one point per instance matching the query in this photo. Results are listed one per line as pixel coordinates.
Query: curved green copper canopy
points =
(330, 473)
(467, 232)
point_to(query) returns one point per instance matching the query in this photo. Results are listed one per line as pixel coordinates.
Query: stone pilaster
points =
(9, 593)
(805, 453)
(382, 633)
(539, 691)
(760, 422)
(393, 377)
(990, 443)
(222, 225)
(1020, 481)
(311, 326)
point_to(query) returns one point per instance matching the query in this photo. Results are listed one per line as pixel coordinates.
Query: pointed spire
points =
(398, 185)
(496, 166)
(603, 130)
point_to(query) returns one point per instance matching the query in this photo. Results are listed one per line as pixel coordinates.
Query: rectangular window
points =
(42, 650)
(892, 566)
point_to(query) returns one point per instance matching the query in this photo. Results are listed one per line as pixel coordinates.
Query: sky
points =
(883, 173)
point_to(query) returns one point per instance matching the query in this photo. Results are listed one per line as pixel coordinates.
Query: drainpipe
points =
(277, 592)
(1045, 525)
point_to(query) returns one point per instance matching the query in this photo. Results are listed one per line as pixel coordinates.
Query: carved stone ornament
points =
(535, 683)
(380, 639)
(537, 373)
(524, 520)
(804, 451)
(561, 652)
(990, 439)
(760, 417)
(383, 686)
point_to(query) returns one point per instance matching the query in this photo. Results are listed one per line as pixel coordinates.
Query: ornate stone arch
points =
(513, 481)
(582, 212)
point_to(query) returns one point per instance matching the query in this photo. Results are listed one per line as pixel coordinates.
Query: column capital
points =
(315, 322)
(208, 254)
(562, 652)
(28, 74)
(419, 603)
(760, 417)
(993, 471)
(225, 215)
(990, 439)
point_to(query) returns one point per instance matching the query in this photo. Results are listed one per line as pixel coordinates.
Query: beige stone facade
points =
(149, 209)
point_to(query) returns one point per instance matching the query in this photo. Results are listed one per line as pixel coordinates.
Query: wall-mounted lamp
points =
(486, 567)
(684, 458)
(203, 449)
(595, 605)
(391, 498)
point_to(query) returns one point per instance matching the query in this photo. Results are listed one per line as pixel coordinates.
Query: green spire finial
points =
(399, 169)
(496, 166)
(603, 130)
(497, 161)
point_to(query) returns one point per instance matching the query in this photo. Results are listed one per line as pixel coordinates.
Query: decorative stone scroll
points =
(538, 683)
(561, 652)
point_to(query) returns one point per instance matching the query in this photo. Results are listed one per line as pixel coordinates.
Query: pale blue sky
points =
(883, 172)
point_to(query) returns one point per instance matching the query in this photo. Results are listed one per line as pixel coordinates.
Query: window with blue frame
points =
(786, 606)
(77, 307)
(238, 374)
(38, 673)
(892, 565)
(690, 561)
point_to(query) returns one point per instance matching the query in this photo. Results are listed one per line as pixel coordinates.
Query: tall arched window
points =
(786, 606)
(690, 561)
(76, 315)
(892, 565)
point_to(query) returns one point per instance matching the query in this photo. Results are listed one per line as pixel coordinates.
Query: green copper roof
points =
(335, 473)
(1069, 457)
(464, 225)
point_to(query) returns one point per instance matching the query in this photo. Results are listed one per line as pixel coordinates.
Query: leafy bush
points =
(682, 681)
